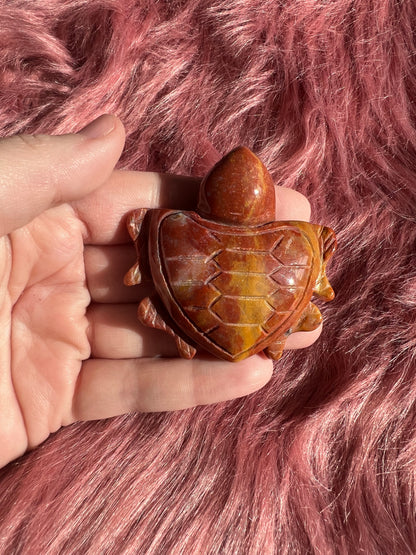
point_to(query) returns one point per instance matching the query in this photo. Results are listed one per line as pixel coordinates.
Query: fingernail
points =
(99, 128)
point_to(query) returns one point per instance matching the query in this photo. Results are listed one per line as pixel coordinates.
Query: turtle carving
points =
(229, 279)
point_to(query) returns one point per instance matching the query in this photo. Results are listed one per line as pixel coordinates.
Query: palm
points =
(49, 297)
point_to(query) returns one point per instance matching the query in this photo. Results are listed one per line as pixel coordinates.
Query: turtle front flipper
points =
(149, 316)
(135, 228)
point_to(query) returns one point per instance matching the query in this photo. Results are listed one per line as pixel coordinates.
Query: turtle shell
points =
(233, 290)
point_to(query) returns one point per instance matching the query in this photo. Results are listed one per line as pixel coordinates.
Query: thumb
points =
(40, 171)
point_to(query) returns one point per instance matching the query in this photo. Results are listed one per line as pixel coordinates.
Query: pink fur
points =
(321, 460)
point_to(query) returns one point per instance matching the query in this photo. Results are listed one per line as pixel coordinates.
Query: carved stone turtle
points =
(229, 278)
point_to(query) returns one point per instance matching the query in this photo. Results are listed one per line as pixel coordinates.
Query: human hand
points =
(71, 346)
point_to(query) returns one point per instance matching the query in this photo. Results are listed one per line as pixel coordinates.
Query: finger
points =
(115, 332)
(41, 171)
(108, 388)
(104, 212)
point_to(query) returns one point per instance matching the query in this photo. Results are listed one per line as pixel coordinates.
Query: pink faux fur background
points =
(323, 459)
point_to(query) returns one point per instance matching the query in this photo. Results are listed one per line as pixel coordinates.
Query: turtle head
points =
(238, 190)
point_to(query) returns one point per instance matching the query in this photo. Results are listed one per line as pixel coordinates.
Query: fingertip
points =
(118, 132)
(98, 147)
(254, 373)
(106, 133)
(302, 339)
(224, 381)
(291, 205)
(99, 127)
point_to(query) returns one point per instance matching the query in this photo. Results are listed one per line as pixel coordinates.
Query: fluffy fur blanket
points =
(322, 459)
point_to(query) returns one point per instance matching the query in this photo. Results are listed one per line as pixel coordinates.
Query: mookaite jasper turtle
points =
(230, 279)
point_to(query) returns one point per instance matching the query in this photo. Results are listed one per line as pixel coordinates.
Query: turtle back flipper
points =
(275, 349)
(310, 319)
(328, 245)
(138, 231)
(149, 316)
